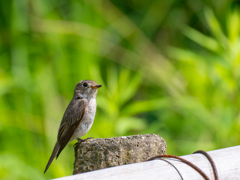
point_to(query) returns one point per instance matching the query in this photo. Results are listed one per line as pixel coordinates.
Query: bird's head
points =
(87, 88)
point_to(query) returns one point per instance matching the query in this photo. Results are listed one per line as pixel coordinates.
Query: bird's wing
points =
(71, 120)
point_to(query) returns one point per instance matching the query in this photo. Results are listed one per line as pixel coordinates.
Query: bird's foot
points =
(82, 140)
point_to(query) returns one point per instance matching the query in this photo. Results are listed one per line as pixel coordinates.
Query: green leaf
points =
(215, 27)
(125, 124)
(205, 41)
(144, 106)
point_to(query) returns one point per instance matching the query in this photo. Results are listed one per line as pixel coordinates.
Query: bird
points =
(78, 117)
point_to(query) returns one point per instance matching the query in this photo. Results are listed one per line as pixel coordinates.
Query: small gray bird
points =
(78, 117)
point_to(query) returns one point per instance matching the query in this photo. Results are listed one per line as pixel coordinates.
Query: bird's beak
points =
(96, 87)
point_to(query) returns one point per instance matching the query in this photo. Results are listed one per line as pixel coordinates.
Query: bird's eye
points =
(85, 84)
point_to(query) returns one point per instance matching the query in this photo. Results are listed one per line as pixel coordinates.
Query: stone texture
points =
(102, 153)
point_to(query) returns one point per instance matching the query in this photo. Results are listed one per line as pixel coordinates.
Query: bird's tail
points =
(55, 150)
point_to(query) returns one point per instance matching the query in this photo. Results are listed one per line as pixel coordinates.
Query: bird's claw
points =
(81, 140)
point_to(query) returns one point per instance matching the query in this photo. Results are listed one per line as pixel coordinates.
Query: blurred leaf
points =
(125, 124)
(233, 25)
(5, 85)
(128, 85)
(215, 27)
(11, 167)
(143, 106)
(205, 41)
(112, 82)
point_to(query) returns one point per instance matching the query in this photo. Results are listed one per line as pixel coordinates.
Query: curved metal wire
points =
(211, 162)
(173, 166)
(184, 161)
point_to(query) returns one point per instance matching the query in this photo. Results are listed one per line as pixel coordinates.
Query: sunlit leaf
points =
(143, 106)
(125, 124)
(203, 40)
(215, 27)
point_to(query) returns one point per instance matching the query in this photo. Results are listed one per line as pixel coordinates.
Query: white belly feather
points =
(87, 121)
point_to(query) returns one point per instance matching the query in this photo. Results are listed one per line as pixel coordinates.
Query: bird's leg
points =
(82, 140)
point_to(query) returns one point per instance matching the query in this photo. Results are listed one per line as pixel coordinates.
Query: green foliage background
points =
(169, 67)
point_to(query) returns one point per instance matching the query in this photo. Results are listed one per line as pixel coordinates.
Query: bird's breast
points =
(87, 121)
